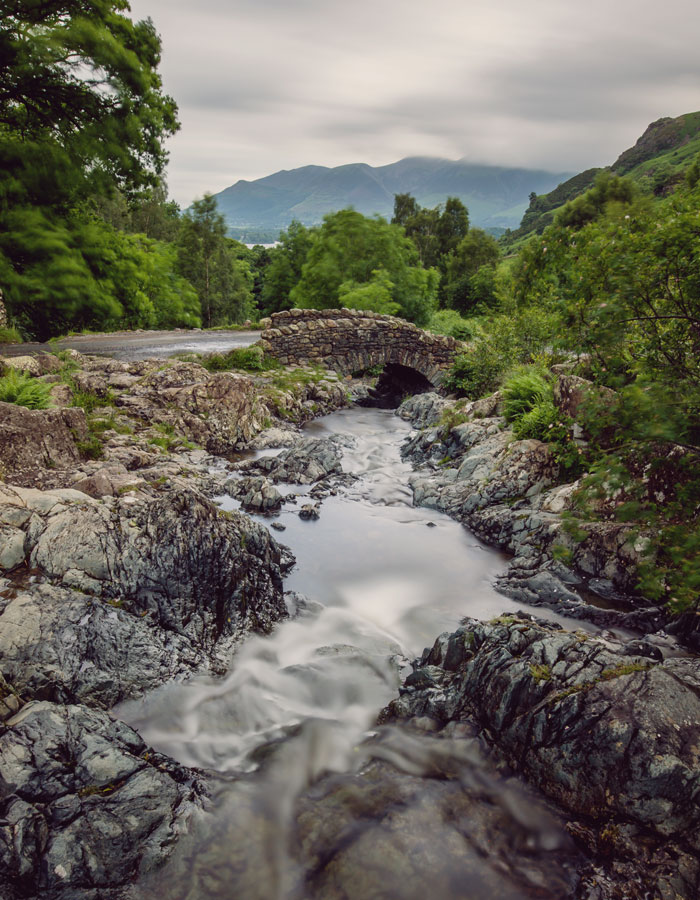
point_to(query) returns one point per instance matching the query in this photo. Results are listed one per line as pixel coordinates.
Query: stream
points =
(304, 778)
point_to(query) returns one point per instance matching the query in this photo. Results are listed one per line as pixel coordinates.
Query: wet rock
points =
(310, 460)
(256, 494)
(310, 512)
(506, 492)
(141, 589)
(85, 808)
(609, 736)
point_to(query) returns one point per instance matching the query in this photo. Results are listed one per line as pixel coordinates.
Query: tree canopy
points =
(351, 252)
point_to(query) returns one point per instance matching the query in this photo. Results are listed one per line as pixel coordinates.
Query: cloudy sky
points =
(264, 85)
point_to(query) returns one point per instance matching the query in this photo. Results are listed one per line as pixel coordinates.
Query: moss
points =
(503, 620)
(606, 675)
(540, 672)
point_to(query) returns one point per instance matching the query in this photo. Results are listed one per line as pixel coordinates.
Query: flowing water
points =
(290, 729)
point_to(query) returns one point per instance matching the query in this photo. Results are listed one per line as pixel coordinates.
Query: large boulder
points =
(38, 439)
(612, 736)
(220, 411)
(310, 460)
(128, 592)
(85, 807)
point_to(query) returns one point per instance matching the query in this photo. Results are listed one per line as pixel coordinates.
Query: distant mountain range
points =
(496, 197)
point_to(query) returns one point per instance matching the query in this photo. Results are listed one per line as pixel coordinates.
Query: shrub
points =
(474, 374)
(449, 322)
(23, 390)
(10, 336)
(250, 359)
(526, 389)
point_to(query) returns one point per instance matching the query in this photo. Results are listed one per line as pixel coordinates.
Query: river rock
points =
(310, 460)
(85, 807)
(128, 592)
(257, 493)
(508, 493)
(219, 411)
(38, 439)
(610, 737)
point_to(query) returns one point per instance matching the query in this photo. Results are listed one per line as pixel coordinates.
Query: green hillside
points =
(657, 163)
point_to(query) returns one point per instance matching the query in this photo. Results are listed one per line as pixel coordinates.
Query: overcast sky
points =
(264, 85)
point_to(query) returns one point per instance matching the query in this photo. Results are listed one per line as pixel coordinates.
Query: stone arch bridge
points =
(351, 340)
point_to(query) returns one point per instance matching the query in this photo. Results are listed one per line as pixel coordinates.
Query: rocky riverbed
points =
(567, 760)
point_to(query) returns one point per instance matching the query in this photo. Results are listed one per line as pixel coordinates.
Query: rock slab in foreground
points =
(612, 737)
(85, 808)
(128, 593)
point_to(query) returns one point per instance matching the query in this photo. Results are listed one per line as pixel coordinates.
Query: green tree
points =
(470, 271)
(210, 262)
(82, 115)
(81, 75)
(351, 248)
(284, 271)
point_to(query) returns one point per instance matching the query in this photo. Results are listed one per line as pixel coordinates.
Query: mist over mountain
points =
(496, 197)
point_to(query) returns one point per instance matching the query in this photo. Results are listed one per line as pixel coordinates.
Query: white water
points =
(381, 585)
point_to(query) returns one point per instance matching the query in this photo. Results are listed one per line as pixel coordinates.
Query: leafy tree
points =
(210, 261)
(435, 232)
(469, 278)
(83, 76)
(349, 249)
(284, 271)
(374, 295)
(82, 115)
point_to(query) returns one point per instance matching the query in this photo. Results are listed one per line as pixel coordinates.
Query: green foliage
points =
(524, 389)
(250, 359)
(434, 232)
(215, 266)
(353, 252)
(375, 295)
(23, 390)
(83, 77)
(82, 125)
(470, 272)
(449, 322)
(607, 189)
(511, 337)
(540, 672)
(10, 336)
(284, 270)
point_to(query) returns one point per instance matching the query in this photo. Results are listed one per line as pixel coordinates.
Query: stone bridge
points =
(351, 340)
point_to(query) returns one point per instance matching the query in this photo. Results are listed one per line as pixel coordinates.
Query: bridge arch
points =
(351, 340)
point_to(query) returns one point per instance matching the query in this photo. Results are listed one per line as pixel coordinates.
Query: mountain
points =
(657, 162)
(496, 197)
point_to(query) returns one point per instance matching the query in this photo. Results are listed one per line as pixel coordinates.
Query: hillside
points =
(496, 197)
(657, 162)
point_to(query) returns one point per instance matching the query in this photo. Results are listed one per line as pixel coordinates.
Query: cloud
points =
(283, 83)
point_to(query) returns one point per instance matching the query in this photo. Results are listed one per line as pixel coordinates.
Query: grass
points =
(540, 672)
(10, 336)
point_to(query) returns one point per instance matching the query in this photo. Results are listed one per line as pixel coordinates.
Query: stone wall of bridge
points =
(350, 340)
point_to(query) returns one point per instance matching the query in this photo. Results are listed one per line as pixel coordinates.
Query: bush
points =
(23, 390)
(474, 374)
(449, 322)
(10, 336)
(524, 390)
(250, 359)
